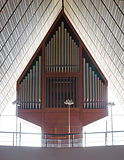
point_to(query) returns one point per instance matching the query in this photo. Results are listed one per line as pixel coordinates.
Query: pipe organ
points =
(61, 52)
(62, 68)
(93, 88)
(30, 87)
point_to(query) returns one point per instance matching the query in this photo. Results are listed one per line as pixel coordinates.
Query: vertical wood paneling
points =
(74, 92)
(60, 92)
(57, 92)
(50, 92)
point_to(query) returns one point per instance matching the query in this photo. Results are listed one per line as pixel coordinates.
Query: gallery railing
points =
(61, 140)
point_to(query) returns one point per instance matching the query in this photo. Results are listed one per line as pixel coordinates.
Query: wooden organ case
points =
(62, 68)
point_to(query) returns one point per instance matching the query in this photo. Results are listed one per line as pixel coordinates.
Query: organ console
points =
(62, 68)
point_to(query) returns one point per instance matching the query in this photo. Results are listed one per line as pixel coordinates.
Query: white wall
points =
(94, 153)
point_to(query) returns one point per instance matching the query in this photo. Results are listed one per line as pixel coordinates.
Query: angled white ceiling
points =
(24, 23)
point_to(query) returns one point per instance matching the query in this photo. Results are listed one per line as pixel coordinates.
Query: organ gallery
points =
(62, 68)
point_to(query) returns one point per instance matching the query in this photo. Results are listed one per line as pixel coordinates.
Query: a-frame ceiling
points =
(24, 23)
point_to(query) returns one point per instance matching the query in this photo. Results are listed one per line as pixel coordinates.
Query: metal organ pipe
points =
(62, 49)
(39, 99)
(23, 93)
(33, 105)
(84, 83)
(56, 51)
(26, 91)
(30, 92)
(49, 57)
(61, 52)
(20, 93)
(101, 94)
(98, 91)
(72, 55)
(95, 91)
(70, 50)
(77, 59)
(59, 48)
(65, 50)
(36, 85)
(87, 81)
(90, 82)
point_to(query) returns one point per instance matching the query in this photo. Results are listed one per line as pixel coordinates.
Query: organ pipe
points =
(96, 91)
(84, 82)
(103, 96)
(90, 81)
(21, 95)
(70, 64)
(36, 84)
(62, 26)
(62, 55)
(39, 82)
(93, 96)
(49, 55)
(100, 93)
(77, 61)
(65, 50)
(61, 51)
(68, 51)
(87, 77)
(59, 48)
(33, 105)
(30, 92)
(56, 51)
(73, 55)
